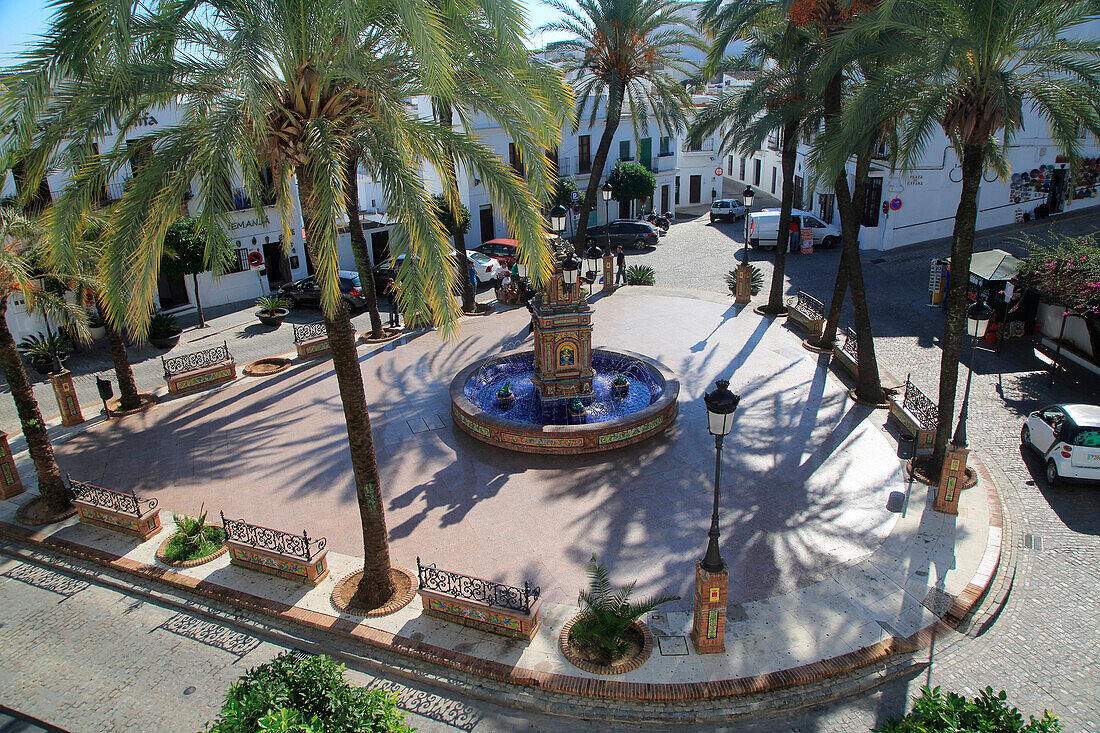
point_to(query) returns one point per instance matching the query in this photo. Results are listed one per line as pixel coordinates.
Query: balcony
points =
(707, 146)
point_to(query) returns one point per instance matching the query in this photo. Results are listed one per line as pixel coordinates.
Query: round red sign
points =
(255, 259)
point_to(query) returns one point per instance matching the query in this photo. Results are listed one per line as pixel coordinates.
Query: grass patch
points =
(182, 548)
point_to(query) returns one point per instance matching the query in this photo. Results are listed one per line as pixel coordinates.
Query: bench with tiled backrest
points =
(118, 510)
(807, 312)
(917, 414)
(201, 369)
(311, 340)
(480, 604)
(847, 354)
(292, 556)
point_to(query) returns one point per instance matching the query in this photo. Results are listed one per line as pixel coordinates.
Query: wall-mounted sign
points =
(915, 179)
(575, 196)
(895, 204)
(717, 171)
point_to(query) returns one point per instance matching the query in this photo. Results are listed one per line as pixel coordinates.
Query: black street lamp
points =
(570, 267)
(557, 219)
(605, 192)
(721, 404)
(747, 195)
(977, 321)
(592, 255)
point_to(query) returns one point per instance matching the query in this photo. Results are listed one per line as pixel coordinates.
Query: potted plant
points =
(164, 330)
(620, 387)
(194, 542)
(577, 414)
(272, 310)
(756, 280)
(608, 636)
(97, 328)
(505, 397)
(46, 352)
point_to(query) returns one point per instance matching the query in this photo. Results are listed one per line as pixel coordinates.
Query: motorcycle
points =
(659, 221)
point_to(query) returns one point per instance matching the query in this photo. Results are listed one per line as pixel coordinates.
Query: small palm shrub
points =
(46, 352)
(640, 275)
(163, 325)
(756, 280)
(270, 304)
(293, 695)
(606, 615)
(946, 713)
(193, 539)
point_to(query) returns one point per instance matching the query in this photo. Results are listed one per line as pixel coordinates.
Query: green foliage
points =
(40, 347)
(631, 181)
(640, 275)
(185, 248)
(193, 539)
(576, 406)
(619, 378)
(447, 218)
(163, 325)
(756, 280)
(309, 695)
(269, 304)
(934, 712)
(505, 389)
(1064, 270)
(563, 192)
(607, 614)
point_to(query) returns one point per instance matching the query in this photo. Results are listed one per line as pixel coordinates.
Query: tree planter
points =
(273, 320)
(636, 655)
(165, 342)
(188, 563)
(267, 366)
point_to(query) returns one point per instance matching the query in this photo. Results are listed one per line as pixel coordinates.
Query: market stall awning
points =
(995, 264)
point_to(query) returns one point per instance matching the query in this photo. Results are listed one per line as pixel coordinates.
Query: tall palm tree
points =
(17, 262)
(976, 64)
(293, 85)
(782, 56)
(620, 55)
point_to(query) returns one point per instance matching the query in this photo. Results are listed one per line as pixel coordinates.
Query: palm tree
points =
(975, 65)
(623, 50)
(359, 242)
(17, 261)
(782, 57)
(293, 85)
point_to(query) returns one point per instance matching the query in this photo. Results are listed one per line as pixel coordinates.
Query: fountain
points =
(564, 397)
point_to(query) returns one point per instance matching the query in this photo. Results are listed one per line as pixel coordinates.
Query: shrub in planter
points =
(193, 539)
(640, 275)
(946, 713)
(756, 280)
(46, 352)
(619, 385)
(505, 397)
(164, 330)
(272, 310)
(600, 632)
(309, 695)
(577, 414)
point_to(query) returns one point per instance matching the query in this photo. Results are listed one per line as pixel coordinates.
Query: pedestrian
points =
(391, 293)
(794, 237)
(473, 277)
(620, 265)
(515, 270)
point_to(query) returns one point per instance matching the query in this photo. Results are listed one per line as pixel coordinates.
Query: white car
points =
(1068, 438)
(731, 209)
(486, 268)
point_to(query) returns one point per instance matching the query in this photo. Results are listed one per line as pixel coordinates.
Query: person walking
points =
(795, 236)
(391, 294)
(473, 278)
(620, 266)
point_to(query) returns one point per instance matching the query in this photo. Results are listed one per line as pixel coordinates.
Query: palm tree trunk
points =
(869, 387)
(198, 303)
(614, 112)
(359, 244)
(775, 304)
(962, 247)
(445, 115)
(377, 584)
(127, 387)
(55, 498)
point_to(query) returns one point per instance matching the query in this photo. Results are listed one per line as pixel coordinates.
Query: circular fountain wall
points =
(612, 421)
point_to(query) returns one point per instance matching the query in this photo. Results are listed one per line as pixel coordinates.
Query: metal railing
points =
(477, 589)
(707, 146)
(851, 345)
(808, 305)
(115, 501)
(273, 540)
(920, 405)
(115, 191)
(308, 331)
(199, 360)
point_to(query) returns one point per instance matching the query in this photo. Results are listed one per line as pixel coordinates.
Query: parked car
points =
(1068, 439)
(502, 250)
(307, 292)
(487, 269)
(764, 228)
(629, 234)
(731, 209)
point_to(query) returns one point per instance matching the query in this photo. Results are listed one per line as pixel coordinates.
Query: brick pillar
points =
(608, 274)
(66, 398)
(951, 480)
(743, 291)
(708, 632)
(10, 485)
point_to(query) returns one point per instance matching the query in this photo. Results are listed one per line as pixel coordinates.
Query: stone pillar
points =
(952, 480)
(66, 398)
(608, 274)
(743, 291)
(10, 485)
(708, 632)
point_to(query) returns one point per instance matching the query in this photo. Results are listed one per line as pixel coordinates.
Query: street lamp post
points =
(592, 255)
(557, 220)
(608, 263)
(743, 289)
(953, 473)
(711, 575)
(570, 267)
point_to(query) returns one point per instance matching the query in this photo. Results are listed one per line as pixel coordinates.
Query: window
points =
(515, 159)
(666, 147)
(755, 172)
(40, 198)
(742, 175)
(1087, 437)
(826, 203)
(774, 174)
(239, 263)
(267, 186)
(139, 152)
(692, 146)
(773, 141)
(624, 150)
(552, 157)
(584, 146)
(676, 198)
(872, 202)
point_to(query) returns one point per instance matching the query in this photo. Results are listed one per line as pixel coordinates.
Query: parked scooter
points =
(661, 222)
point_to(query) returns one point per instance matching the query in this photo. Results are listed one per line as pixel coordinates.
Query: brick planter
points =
(622, 667)
(187, 563)
(313, 349)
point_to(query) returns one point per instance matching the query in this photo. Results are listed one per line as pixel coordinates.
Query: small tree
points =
(1066, 270)
(946, 713)
(451, 223)
(187, 255)
(631, 181)
(563, 192)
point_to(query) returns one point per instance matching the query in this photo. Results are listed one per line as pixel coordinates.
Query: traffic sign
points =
(575, 196)
(576, 207)
(895, 204)
(255, 259)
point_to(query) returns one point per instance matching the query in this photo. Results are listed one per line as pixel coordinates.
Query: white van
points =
(764, 226)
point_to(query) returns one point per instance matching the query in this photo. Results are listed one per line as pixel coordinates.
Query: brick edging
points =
(391, 606)
(187, 563)
(627, 666)
(550, 681)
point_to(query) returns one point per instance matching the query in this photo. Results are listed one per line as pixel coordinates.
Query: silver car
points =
(731, 209)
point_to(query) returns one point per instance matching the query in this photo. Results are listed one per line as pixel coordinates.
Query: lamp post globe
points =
(570, 266)
(605, 191)
(557, 219)
(978, 316)
(721, 404)
(748, 195)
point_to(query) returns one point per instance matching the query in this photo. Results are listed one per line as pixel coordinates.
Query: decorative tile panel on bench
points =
(117, 510)
(206, 368)
(807, 312)
(271, 551)
(311, 340)
(479, 604)
(917, 414)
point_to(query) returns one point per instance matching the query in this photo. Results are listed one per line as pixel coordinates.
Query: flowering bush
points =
(1065, 270)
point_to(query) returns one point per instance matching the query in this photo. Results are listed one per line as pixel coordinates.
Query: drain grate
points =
(302, 654)
(1033, 542)
(672, 646)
